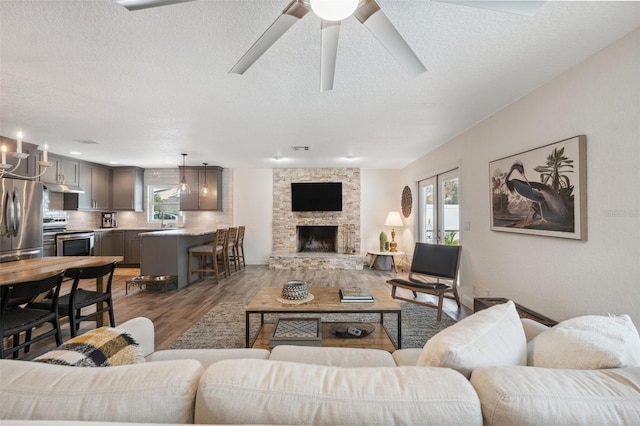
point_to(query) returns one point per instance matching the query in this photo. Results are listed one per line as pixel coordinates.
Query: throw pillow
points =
(490, 337)
(102, 347)
(587, 342)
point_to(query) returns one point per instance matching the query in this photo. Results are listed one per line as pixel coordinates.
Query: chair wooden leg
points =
(440, 301)
(16, 342)
(27, 338)
(190, 269)
(214, 262)
(112, 317)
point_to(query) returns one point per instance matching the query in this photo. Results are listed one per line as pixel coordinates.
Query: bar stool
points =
(212, 251)
(239, 246)
(230, 248)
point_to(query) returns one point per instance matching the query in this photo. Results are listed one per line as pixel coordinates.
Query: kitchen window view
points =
(164, 203)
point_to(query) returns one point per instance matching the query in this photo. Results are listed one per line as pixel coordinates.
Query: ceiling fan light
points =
(334, 10)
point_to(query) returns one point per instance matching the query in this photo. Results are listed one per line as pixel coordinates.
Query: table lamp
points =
(393, 220)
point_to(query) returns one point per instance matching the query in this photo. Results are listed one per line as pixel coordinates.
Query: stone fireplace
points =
(317, 239)
(339, 248)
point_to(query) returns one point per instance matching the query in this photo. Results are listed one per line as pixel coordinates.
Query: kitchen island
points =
(167, 252)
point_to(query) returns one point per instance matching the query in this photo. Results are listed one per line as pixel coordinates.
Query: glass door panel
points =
(427, 197)
(439, 221)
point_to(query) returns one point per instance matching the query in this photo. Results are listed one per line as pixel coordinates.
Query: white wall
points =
(253, 207)
(380, 192)
(560, 278)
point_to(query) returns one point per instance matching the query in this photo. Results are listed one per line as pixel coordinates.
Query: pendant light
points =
(204, 189)
(184, 186)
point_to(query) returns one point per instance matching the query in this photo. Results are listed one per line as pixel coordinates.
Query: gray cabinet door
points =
(127, 188)
(85, 181)
(132, 248)
(100, 187)
(62, 170)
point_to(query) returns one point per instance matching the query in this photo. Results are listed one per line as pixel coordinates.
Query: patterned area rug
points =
(224, 326)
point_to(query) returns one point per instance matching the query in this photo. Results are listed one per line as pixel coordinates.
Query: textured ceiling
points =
(151, 84)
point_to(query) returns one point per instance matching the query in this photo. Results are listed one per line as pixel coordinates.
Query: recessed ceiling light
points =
(87, 141)
(75, 153)
(113, 162)
(278, 157)
(350, 157)
(300, 148)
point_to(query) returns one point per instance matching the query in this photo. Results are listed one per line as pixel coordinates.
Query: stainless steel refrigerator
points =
(20, 219)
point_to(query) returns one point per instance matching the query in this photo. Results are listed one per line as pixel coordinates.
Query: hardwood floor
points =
(175, 311)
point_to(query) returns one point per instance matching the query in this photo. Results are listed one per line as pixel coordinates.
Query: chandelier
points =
(9, 170)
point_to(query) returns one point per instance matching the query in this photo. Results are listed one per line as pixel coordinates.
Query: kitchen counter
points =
(166, 252)
(184, 232)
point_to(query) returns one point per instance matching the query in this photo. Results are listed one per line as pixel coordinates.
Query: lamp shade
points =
(393, 219)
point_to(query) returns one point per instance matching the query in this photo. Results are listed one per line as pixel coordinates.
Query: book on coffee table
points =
(355, 294)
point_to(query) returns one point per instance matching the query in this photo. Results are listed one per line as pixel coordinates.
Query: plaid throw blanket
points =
(102, 347)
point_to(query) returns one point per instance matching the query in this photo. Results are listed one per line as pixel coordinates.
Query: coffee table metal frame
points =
(326, 301)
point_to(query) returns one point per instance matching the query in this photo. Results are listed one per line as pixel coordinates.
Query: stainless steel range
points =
(58, 241)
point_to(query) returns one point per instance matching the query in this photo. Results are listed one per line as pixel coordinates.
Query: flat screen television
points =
(316, 196)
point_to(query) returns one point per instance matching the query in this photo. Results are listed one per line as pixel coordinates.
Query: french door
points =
(439, 212)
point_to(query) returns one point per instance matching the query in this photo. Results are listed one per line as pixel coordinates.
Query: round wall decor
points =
(407, 201)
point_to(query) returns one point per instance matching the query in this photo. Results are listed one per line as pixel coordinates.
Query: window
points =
(164, 203)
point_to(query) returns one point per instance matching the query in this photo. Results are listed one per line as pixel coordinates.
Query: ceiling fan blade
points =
(132, 5)
(295, 11)
(372, 17)
(528, 8)
(330, 33)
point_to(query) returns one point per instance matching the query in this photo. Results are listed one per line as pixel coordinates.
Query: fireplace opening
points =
(317, 238)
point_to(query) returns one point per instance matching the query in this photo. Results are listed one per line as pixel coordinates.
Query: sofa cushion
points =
(206, 357)
(102, 347)
(493, 336)
(587, 342)
(548, 396)
(336, 357)
(162, 392)
(275, 392)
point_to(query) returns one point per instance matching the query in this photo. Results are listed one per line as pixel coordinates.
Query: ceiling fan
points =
(368, 12)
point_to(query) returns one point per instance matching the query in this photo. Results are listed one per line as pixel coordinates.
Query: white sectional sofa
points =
(309, 385)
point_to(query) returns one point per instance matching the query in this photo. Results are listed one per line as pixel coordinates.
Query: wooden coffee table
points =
(326, 301)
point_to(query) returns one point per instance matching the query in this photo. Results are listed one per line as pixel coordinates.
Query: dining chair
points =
(215, 251)
(17, 317)
(431, 264)
(72, 304)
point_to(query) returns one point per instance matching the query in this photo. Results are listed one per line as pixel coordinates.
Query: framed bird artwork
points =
(541, 191)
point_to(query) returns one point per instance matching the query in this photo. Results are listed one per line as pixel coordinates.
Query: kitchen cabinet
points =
(127, 186)
(116, 242)
(195, 177)
(94, 179)
(62, 170)
(132, 247)
(109, 243)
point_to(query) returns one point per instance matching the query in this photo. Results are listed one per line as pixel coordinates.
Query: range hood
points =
(64, 188)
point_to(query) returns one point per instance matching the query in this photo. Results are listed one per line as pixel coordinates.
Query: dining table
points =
(20, 271)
